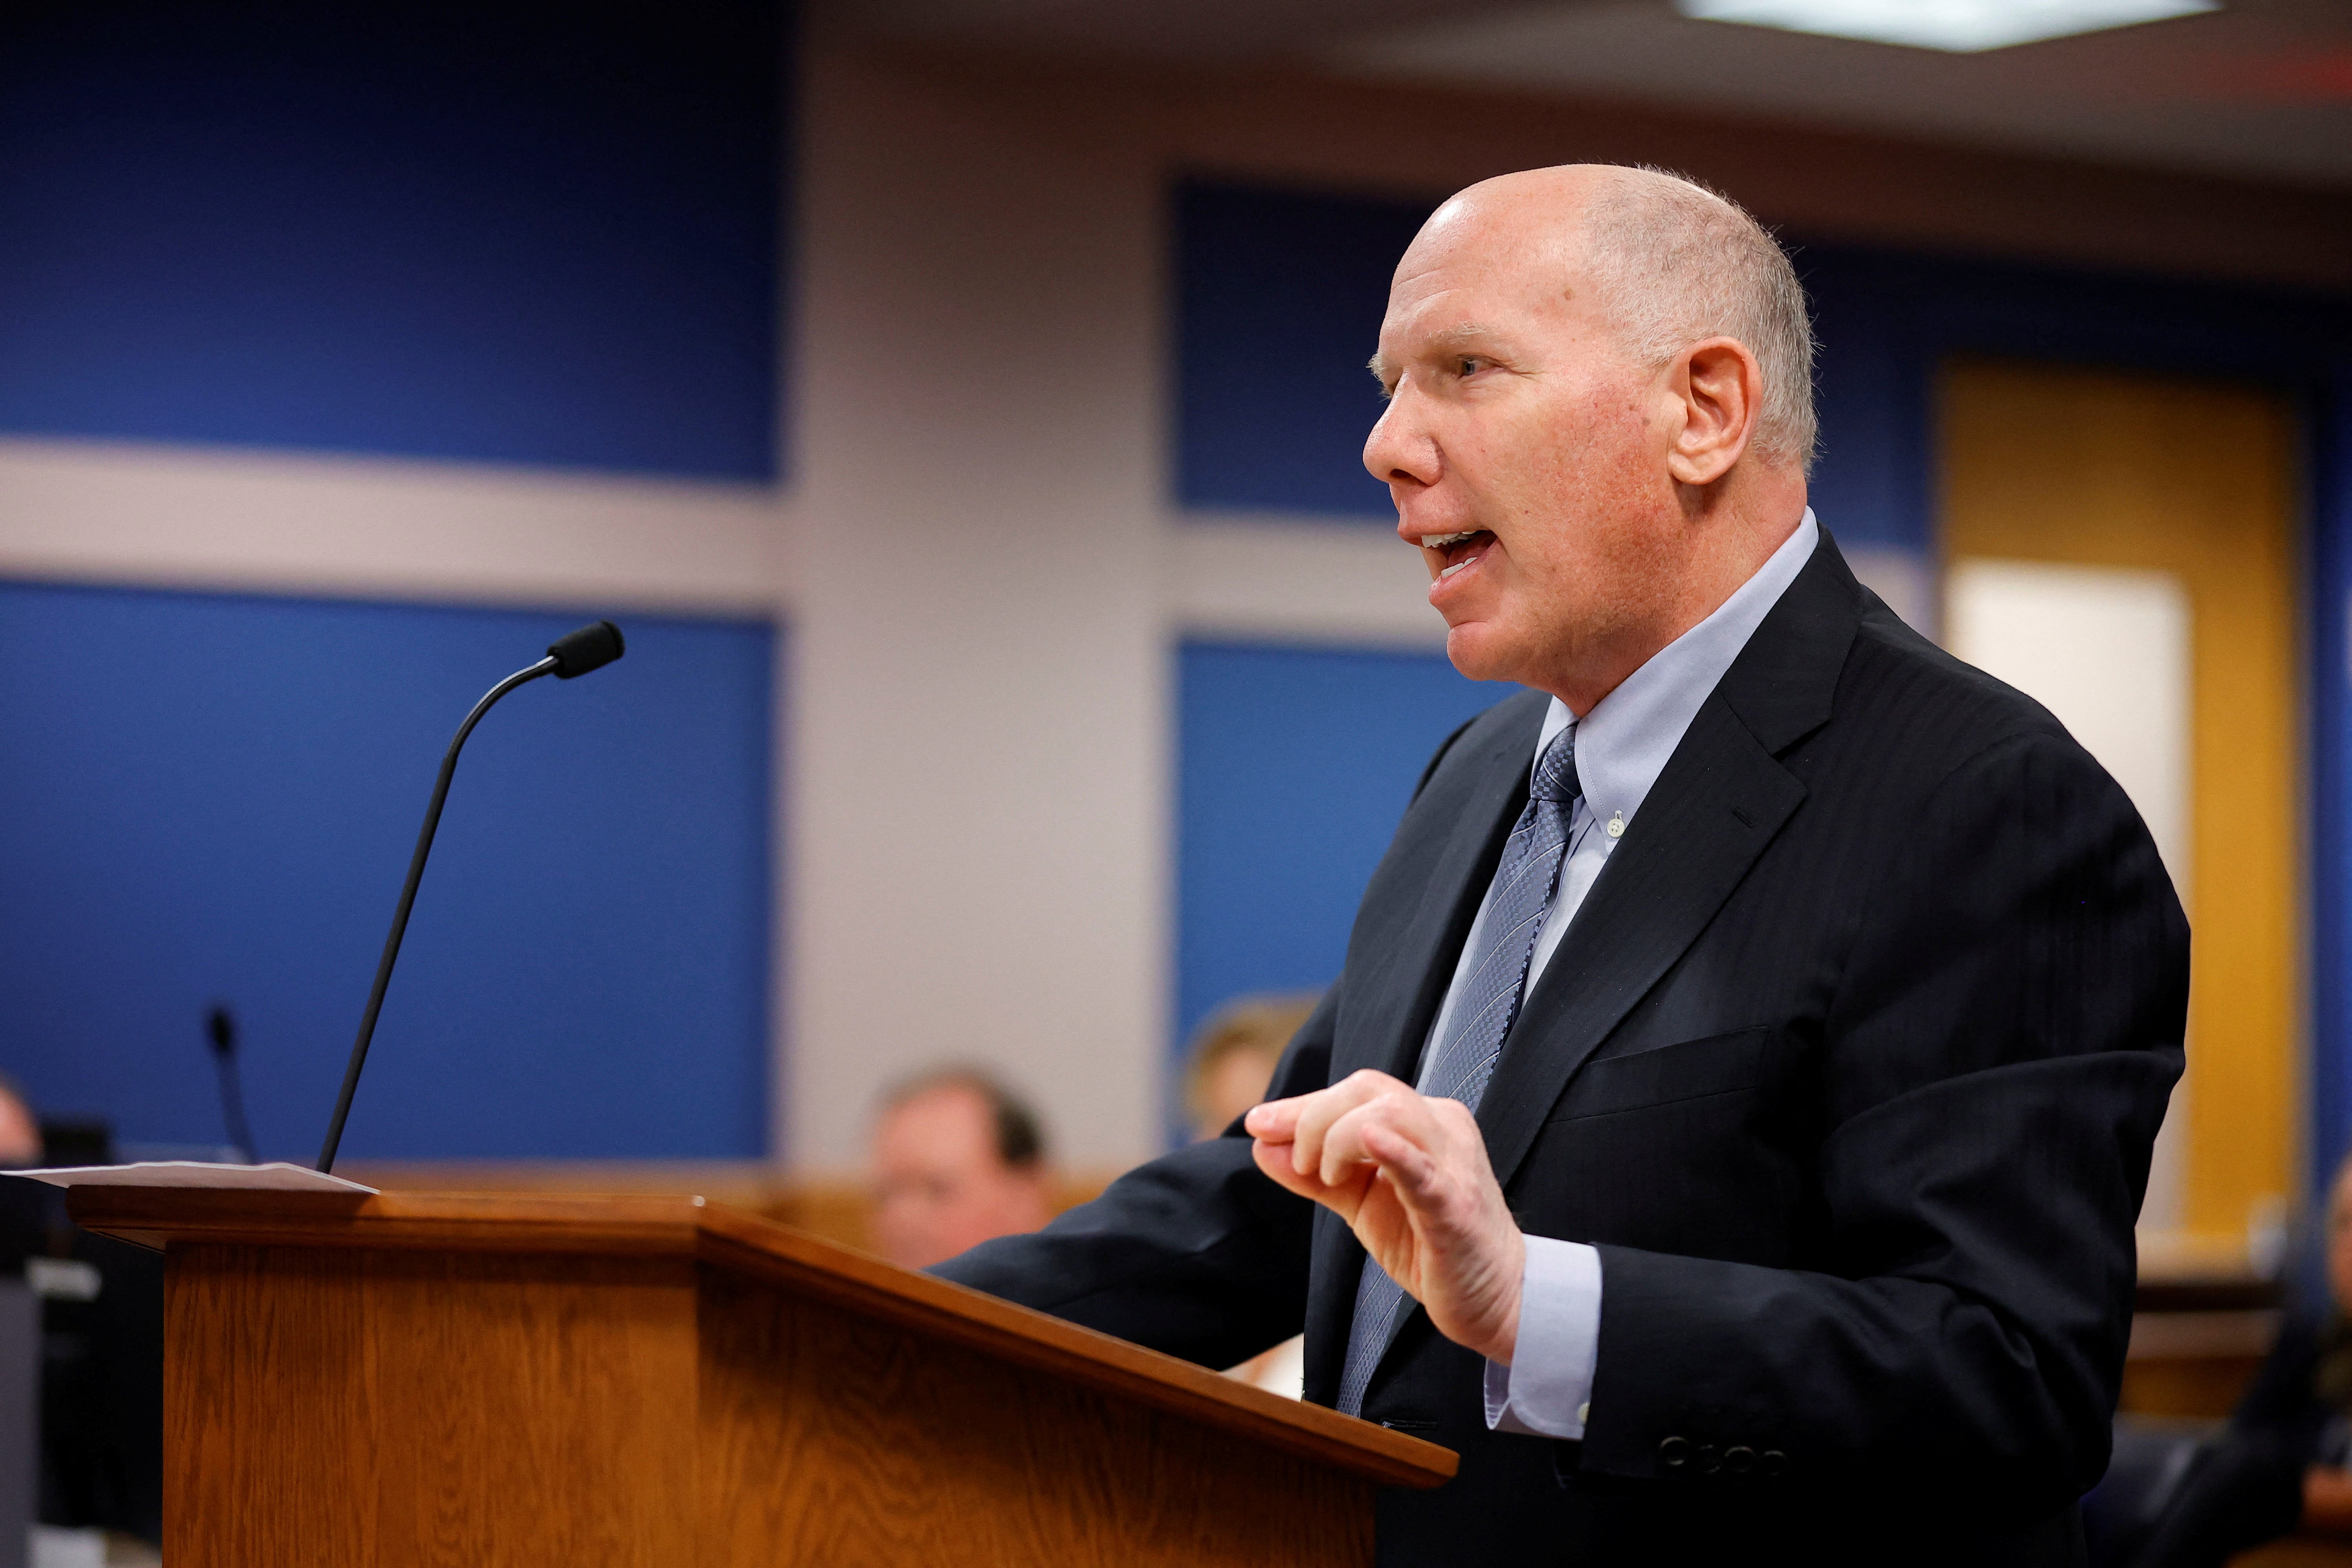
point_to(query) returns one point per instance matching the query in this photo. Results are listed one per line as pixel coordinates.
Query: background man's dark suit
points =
(1850, 1064)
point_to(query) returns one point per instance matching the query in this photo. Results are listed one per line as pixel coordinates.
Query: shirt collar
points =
(1622, 746)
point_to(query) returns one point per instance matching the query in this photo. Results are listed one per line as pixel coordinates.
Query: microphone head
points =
(221, 1029)
(593, 647)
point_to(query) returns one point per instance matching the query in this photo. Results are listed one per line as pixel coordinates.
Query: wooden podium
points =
(412, 1379)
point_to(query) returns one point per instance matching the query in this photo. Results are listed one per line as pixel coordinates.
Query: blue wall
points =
(491, 230)
(1295, 764)
(1280, 296)
(2329, 610)
(213, 799)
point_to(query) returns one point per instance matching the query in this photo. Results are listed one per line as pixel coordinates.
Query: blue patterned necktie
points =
(1525, 881)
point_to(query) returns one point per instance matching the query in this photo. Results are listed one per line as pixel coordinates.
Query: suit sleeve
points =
(1994, 1062)
(1196, 1253)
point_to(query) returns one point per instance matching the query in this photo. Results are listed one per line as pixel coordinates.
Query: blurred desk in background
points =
(2196, 1347)
(2297, 1552)
(2203, 1321)
(2200, 1329)
(834, 1208)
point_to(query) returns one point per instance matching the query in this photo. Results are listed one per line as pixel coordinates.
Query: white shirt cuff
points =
(1546, 1390)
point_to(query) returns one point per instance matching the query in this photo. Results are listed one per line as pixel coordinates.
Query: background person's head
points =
(1234, 1056)
(2339, 1236)
(1599, 411)
(959, 1158)
(20, 1131)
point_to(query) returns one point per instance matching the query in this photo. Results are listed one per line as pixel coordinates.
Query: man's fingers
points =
(1408, 1167)
(1343, 1200)
(1274, 1159)
(1275, 1121)
(1318, 1112)
(1403, 1120)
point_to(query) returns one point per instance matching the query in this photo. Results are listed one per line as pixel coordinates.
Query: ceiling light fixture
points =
(1960, 26)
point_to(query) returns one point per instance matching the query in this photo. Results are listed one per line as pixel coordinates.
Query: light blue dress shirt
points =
(1622, 746)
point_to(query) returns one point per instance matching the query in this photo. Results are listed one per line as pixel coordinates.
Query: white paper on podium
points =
(277, 1177)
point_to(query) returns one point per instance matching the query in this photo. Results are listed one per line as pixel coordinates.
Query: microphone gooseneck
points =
(574, 654)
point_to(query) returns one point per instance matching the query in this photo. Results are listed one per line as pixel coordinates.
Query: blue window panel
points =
(490, 231)
(1280, 296)
(2329, 606)
(211, 798)
(1296, 766)
(1871, 389)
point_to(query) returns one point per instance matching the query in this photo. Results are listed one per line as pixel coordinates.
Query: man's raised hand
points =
(1408, 1173)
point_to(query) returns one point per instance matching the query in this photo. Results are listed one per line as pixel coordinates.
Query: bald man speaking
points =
(1728, 1129)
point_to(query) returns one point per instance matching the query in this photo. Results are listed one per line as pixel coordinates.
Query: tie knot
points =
(1555, 778)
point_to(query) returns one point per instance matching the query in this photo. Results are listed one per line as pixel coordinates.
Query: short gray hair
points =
(1675, 262)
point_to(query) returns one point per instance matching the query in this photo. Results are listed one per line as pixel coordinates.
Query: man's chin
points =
(1477, 650)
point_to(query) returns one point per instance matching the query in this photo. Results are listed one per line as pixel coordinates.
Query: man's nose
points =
(1400, 453)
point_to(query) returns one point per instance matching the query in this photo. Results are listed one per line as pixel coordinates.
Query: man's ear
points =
(1722, 394)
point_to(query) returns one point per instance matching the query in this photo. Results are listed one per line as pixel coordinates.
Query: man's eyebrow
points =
(1452, 337)
(1464, 332)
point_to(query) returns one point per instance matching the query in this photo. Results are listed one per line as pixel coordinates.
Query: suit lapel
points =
(1715, 806)
(1721, 798)
(1415, 917)
(1701, 828)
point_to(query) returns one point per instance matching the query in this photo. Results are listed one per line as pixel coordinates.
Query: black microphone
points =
(220, 1028)
(593, 647)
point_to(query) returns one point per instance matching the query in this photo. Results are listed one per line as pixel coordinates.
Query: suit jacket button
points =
(1709, 1460)
(1739, 1459)
(1673, 1452)
(1772, 1462)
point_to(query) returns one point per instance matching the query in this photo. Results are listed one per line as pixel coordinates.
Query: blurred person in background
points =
(2284, 1461)
(20, 1133)
(959, 1158)
(1232, 1057)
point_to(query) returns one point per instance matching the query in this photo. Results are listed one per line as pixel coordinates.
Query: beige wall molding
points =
(169, 516)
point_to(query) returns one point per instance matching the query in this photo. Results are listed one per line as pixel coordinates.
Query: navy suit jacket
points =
(1851, 1066)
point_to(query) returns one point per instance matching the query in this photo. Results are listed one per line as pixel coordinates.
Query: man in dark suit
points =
(1728, 1129)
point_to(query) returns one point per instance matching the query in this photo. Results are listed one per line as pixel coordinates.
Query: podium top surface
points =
(747, 1244)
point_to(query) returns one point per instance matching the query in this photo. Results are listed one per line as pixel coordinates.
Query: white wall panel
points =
(978, 810)
(1283, 579)
(2105, 649)
(382, 527)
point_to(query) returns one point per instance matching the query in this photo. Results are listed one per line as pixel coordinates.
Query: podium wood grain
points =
(907, 1450)
(430, 1380)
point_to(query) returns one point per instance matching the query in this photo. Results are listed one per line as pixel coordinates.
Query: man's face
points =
(1522, 437)
(940, 1186)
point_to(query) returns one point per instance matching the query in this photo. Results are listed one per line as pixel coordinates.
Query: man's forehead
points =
(1446, 308)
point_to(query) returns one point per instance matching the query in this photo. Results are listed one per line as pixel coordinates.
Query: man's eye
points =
(1469, 364)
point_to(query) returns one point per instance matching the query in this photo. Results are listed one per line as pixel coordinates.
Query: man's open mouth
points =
(1459, 549)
